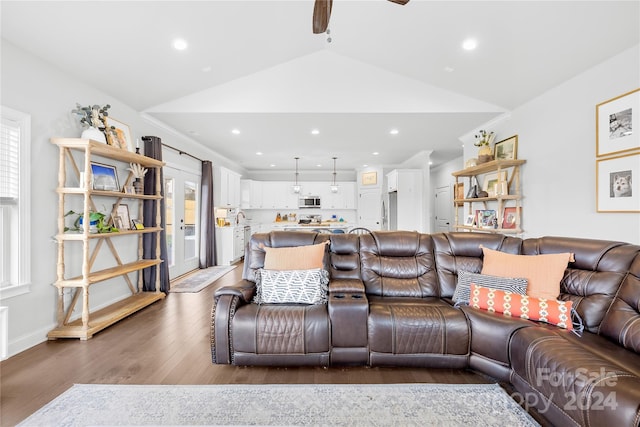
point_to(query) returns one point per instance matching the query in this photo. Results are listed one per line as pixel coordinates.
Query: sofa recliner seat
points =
(390, 304)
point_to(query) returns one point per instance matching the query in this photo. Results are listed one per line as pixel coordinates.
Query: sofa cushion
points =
(416, 326)
(291, 286)
(398, 264)
(466, 278)
(549, 311)
(543, 272)
(455, 252)
(589, 389)
(295, 258)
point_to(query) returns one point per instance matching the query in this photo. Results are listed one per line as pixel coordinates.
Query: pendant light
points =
(296, 186)
(334, 186)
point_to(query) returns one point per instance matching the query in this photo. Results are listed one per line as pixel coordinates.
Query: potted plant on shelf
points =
(92, 120)
(97, 223)
(138, 172)
(484, 140)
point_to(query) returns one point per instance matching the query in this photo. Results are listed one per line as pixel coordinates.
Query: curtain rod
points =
(181, 152)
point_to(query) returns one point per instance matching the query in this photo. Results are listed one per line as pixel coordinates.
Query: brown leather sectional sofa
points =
(390, 305)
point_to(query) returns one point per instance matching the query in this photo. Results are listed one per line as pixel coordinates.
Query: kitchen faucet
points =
(238, 217)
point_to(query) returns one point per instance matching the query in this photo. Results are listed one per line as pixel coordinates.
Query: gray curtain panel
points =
(207, 218)
(153, 149)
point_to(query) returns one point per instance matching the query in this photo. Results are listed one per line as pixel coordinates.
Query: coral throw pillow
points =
(543, 272)
(495, 301)
(295, 258)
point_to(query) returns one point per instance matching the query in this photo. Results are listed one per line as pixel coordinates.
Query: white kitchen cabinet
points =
(229, 244)
(228, 186)
(392, 181)
(278, 195)
(251, 194)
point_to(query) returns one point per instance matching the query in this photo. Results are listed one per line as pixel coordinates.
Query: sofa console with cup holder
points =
(556, 317)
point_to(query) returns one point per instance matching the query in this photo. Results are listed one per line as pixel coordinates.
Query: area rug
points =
(199, 280)
(283, 405)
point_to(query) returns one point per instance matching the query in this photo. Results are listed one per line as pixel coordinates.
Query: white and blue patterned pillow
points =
(291, 286)
(466, 278)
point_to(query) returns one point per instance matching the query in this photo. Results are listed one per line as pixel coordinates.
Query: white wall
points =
(556, 136)
(35, 87)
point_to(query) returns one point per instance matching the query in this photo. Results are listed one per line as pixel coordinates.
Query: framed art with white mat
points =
(618, 124)
(618, 183)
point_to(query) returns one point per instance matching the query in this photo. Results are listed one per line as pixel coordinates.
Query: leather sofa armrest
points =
(346, 286)
(224, 308)
(245, 290)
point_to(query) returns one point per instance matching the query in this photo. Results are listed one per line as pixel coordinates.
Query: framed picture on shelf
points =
(122, 211)
(507, 149)
(491, 181)
(470, 220)
(618, 183)
(104, 177)
(618, 124)
(486, 218)
(137, 224)
(118, 134)
(509, 217)
(117, 222)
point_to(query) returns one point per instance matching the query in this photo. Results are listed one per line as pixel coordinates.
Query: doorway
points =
(182, 208)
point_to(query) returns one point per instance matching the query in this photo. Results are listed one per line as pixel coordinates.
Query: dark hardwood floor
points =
(166, 343)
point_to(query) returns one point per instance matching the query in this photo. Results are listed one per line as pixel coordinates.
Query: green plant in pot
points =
(97, 223)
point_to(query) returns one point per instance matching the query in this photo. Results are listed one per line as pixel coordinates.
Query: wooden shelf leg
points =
(60, 306)
(85, 308)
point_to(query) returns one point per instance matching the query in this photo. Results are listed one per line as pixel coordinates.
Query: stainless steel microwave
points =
(309, 202)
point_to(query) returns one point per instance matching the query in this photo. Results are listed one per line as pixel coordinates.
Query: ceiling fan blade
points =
(321, 15)
(400, 1)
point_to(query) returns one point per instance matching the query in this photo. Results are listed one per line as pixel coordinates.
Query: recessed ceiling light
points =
(319, 165)
(365, 166)
(180, 44)
(272, 165)
(258, 153)
(315, 132)
(235, 131)
(430, 162)
(469, 44)
(394, 131)
(375, 153)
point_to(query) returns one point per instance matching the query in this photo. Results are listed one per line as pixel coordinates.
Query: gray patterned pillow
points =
(466, 278)
(291, 286)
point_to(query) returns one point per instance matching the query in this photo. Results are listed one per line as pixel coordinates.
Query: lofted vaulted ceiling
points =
(256, 66)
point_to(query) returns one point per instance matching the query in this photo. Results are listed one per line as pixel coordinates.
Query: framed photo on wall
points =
(369, 178)
(618, 183)
(618, 124)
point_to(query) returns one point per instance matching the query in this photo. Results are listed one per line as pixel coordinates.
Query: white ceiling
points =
(257, 67)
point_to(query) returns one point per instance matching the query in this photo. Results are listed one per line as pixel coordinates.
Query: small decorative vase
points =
(94, 134)
(484, 154)
(138, 186)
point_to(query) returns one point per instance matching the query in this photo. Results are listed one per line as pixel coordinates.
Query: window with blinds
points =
(9, 161)
(15, 248)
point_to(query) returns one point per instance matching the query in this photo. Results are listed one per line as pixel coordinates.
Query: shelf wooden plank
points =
(79, 236)
(106, 274)
(487, 199)
(489, 230)
(101, 149)
(489, 167)
(106, 317)
(118, 194)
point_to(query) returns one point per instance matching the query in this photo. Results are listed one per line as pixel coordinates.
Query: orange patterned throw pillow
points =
(549, 311)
